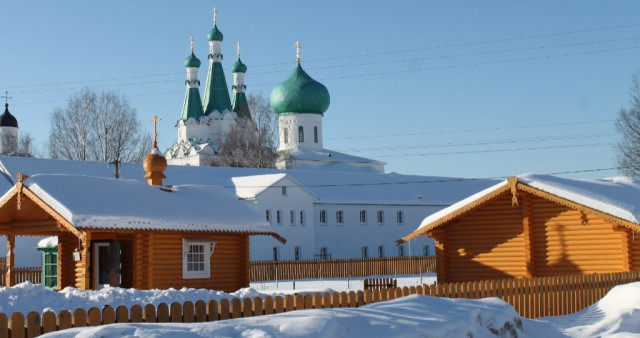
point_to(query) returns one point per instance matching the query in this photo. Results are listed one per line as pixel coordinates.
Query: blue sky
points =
(455, 88)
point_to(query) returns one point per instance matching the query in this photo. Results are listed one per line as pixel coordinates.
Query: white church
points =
(325, 203)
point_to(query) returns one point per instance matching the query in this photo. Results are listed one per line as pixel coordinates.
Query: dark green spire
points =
(216, 93)
(300, 94)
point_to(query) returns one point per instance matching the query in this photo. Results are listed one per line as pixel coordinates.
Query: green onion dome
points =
(192, 61)
(215, 34)
(239, 67)
(6, 119)
(300, 94)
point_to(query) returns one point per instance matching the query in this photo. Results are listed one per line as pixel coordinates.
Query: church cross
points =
(6, 97)
(238, 44)
(215, 15)
(155, 132)
(298, 46)
(191, 42)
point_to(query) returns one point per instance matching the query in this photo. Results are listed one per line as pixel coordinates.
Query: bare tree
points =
(26, 147)
(97, 127)
(252, 142)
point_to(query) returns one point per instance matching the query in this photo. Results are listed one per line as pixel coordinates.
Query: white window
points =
(339, 217)
(268, 215)
(279, 217)
(323, 217)
(426, 251)
(365, 252)
(363, 217)
(401, 251)
(300, 134)
(276, 253)
(284, 191)
(196, 257)
(400, 217)
(301, 217)
(286, 135)
(296, 253)
(292, 217)
(381, 251)
(380, 217)
(315, 134)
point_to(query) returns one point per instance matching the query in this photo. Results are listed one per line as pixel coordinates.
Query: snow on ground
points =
(616, 315)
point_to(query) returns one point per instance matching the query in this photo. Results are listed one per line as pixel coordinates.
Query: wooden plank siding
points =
(229, 269)
(487, 243)
(568, 242)
(536, 237)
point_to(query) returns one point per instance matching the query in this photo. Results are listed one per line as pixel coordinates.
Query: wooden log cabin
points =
(131, 234)
(538, 225)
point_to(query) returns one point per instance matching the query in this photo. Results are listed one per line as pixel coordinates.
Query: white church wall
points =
(347, 239)
(8, 140)
(298, 234)
(291, 122)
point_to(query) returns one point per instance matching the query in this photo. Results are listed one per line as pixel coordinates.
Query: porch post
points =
(10, 277)
(84, 266)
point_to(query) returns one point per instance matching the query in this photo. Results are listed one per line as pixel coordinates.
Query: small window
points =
(401, 251)
(339, 217)
(292, 216)
(324, 253)
(296, 253)
(276, 253)
(365, 252)
(50, 265)
(400, 217)
(300, 134)
(426, 250)
(286, 135)
(381, 251)
(363, 217)
(196, 257)
(268, 215)
(284, 191)
(279, 217)
(315, 134)
(301, 217)
(380, 217)
(323, 217)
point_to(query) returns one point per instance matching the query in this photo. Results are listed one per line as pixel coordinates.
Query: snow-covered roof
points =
(333, 187)
(107, 203)
(615, 196)
(308, 154)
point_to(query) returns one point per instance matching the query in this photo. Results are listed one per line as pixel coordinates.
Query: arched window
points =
(286, 135)
(300, 134)
(315, 134)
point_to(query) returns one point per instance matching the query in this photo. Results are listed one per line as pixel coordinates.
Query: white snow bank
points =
(412, 316)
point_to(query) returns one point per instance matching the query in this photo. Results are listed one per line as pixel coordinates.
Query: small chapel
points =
(299, 102)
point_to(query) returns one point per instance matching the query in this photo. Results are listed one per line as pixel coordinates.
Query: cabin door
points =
(106, 264)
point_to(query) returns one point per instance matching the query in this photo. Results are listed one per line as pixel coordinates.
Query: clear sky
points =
(453, 88)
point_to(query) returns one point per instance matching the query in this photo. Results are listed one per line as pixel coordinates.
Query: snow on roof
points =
(328, 186)
(49, 242)
(616, 196)
(307, 154)
(107, 203)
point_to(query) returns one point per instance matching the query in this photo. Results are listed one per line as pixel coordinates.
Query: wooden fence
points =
(340, 268)
(532, 298)
(379, 283)
(32, 274)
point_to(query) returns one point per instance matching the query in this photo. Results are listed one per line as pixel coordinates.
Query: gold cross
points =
(6, 97)
(298, 46)
(155, 124)
(215, 15)
(191, 42)
(238, 44)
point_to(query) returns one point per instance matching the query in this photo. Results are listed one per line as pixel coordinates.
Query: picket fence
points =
(340, 268)
(32, 274)
(532, 298)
